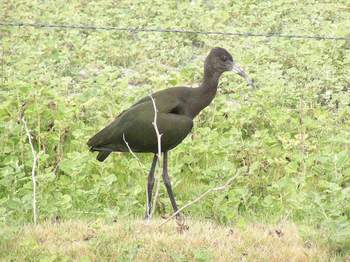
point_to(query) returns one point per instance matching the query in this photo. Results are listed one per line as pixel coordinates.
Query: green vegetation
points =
(289, 139)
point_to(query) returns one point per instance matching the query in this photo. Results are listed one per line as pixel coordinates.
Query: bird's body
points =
(176, 109)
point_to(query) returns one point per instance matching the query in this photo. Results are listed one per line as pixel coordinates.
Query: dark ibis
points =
(176, 109)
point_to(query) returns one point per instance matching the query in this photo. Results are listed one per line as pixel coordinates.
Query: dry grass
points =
(142, 241)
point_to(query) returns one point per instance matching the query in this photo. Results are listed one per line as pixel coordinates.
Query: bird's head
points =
(220, 60)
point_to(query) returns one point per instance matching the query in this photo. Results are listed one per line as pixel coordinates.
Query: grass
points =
(78, 240)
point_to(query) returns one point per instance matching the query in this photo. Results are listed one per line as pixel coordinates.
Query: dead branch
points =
(35, 159)
(302, 136)
(159, 136)
(154, 123)
(131, 152)
(141, 165)
(219, 188)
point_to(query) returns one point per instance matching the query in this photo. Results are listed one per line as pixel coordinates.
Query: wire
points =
(159, 30)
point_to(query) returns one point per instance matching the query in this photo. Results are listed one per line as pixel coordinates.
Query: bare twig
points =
(3, 63)
(141, 165)
(154, 123)
(302, 136)
(219, 188)
(133, 154)
(159, 136)
(35, 159)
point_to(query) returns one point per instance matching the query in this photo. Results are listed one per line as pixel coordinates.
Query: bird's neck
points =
(205, 92)
(210, 81)
(209, 86)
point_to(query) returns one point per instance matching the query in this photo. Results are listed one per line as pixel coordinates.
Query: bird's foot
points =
(179, 217)
(181, 224)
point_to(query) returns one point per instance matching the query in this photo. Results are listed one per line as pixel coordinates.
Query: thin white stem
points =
(154, 123)
(156, 195)
(302, 136)
(141, 165)
(3, 64)
(159, 136)
(131, 152)
(35, 159)
(219, 188)
(159, 154)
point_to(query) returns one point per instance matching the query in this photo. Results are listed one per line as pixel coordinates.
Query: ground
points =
(78, 240)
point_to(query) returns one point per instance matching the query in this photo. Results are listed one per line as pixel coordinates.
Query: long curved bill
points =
(237, 69)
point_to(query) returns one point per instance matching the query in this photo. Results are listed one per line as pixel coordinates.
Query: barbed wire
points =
(160, 30)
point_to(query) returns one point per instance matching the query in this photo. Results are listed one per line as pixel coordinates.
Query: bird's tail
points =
(102, 155)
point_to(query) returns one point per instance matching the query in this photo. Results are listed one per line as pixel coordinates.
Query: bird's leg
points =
(167, 182)
(150, 184)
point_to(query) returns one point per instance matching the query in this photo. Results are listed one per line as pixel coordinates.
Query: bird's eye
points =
(224, 58)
